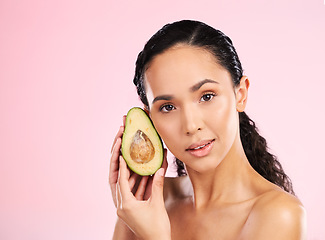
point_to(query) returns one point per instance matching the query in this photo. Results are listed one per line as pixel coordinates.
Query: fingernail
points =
(161, 172)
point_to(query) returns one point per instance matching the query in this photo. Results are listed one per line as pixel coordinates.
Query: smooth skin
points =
(192, 101)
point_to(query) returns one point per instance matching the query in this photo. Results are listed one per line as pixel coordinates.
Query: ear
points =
(241, 94)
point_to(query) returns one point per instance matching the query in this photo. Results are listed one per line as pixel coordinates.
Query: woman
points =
(191, 83)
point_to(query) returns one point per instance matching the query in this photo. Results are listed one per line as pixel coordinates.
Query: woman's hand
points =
(147, 217)
(140, 187)
(134, 179)
(114, 162)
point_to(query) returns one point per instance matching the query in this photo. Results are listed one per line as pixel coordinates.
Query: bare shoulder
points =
(276, 214)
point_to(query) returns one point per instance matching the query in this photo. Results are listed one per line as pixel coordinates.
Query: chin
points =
(202, 166)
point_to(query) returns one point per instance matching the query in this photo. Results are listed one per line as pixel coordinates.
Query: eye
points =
(207, 97)
(167, 108)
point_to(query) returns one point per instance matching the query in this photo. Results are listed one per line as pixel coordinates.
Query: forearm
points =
(122, 231)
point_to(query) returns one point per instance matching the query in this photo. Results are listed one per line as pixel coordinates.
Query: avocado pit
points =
(141, 148)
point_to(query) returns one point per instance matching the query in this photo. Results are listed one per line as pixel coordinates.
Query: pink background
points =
(66, 71)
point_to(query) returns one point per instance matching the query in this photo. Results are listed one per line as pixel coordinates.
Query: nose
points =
(191, 121)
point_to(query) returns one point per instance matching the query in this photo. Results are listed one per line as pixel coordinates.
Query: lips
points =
(201, 149)
(199, 145)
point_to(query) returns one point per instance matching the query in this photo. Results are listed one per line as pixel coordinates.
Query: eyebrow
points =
(194, 88)
(163, 97)
(198, 85)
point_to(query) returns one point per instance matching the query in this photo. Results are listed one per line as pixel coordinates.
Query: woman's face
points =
(193, 106)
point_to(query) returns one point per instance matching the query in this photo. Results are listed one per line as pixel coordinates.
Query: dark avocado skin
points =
(129, 132)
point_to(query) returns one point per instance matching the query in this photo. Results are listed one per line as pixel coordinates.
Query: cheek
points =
(169, 130)
(231, 123)
(223, 118)
(165, 128)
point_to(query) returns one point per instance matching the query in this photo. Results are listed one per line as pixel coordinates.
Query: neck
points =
(227, 183)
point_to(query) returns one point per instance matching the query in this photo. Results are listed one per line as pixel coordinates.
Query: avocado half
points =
(142, 147)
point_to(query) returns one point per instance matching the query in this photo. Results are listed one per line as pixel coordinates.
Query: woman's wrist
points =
(122, 231)
(161, 237)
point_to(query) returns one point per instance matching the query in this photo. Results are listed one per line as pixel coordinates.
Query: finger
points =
(134, 183)
(148, 191)
(158, 186)
(118, 135)
(133, 180)
(114, 163)
(141, 188)
(118, 196)
(124, 175)
(124, 119)
(147, 194)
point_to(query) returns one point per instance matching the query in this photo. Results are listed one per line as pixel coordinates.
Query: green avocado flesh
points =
(142, 147)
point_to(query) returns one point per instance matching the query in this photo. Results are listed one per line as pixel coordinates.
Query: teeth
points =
(200, 147)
